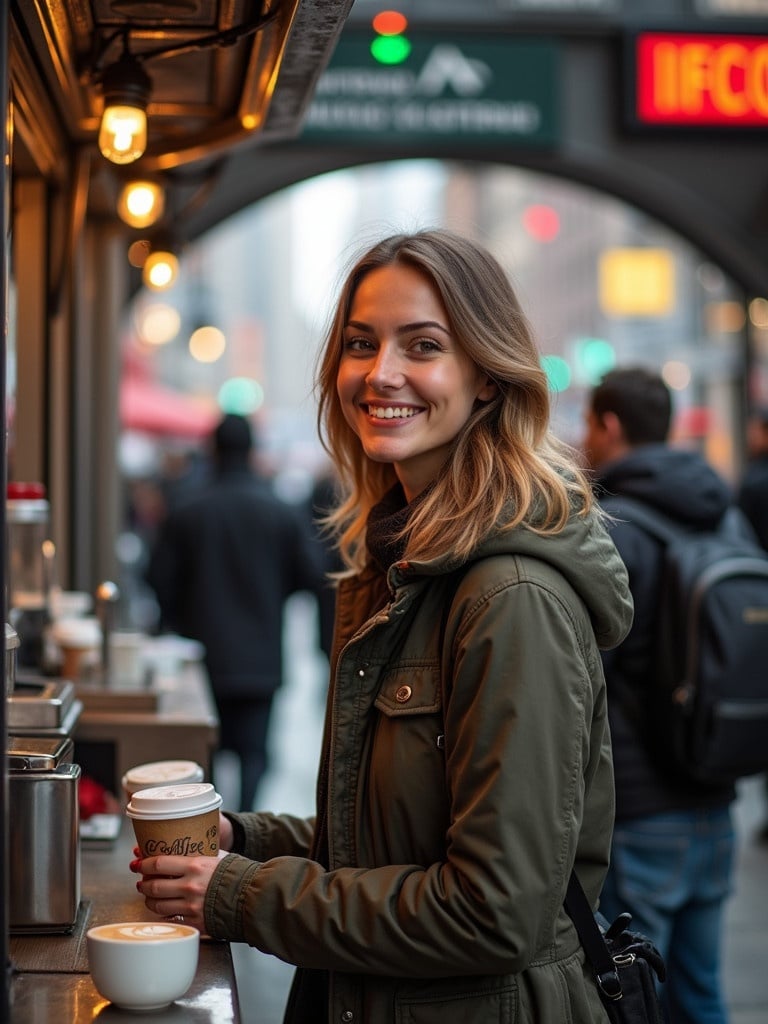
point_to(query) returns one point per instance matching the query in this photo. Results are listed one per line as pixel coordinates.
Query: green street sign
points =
(469, 88)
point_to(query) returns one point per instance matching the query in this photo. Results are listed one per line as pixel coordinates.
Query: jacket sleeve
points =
(519, 748)
(261, 835)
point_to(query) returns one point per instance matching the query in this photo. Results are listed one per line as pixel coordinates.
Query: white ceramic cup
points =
(142, 965)
(126, 654)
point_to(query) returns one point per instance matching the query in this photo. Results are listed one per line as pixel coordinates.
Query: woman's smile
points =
(387, 413)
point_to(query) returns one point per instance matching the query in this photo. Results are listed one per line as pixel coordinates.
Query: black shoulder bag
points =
(623, 962)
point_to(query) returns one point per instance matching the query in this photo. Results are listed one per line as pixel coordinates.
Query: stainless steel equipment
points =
(107, 597)
(11, 650)
(42, 707)
(43, 834)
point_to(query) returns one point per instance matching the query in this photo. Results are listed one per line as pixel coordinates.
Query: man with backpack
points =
(752, 498)
(673, 845)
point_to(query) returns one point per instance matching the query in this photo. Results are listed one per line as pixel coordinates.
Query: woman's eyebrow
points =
(403, 329)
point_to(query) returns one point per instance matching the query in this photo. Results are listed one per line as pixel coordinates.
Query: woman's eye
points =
(426, 346)
(357, 345)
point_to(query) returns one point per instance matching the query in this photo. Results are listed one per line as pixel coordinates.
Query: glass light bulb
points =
(160, 270)
(141, 203)
(123, 134)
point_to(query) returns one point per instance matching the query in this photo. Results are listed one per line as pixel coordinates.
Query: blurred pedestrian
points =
(225, 561)
(673, 844)
(466, 765)
(753, 490)
(753, 501)
(323, 499)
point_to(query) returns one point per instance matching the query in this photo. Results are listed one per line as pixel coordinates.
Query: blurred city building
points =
(582, 142)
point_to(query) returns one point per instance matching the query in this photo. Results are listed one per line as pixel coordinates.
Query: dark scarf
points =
(386, 521)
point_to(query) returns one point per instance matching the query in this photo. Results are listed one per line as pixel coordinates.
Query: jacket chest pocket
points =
(407, 768)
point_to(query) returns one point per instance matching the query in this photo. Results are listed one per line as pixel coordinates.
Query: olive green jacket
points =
(466, 768)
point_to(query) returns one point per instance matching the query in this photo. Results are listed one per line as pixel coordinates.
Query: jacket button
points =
(403, 694)
(347, 1016)
(361, 672)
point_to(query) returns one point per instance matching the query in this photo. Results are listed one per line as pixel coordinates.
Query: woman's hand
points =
(175, 887)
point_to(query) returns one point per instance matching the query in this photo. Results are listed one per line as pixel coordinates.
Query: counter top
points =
(51, 982)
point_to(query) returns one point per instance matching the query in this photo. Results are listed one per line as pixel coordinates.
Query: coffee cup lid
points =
(173, 801)
(156, 773)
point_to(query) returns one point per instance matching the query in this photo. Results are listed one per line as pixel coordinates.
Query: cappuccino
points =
(141, 931)
(142, 965)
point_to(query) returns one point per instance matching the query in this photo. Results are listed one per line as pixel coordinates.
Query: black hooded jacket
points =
(682, 486)
(226, 560)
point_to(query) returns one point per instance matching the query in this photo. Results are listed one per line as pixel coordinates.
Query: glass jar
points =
(29, 568)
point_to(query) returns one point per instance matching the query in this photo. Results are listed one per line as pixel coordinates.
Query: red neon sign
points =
(701, 79)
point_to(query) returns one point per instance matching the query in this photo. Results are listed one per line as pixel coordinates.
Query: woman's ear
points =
(488, 390)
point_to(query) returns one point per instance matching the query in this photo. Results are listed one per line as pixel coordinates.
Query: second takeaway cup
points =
(181, 820)
(160, 773)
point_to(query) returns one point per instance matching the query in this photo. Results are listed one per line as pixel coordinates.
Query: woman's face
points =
(406, 386)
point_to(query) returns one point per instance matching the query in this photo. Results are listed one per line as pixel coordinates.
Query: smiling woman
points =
(479, 585)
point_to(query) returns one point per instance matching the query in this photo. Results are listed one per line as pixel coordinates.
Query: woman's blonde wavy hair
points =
(505, 467)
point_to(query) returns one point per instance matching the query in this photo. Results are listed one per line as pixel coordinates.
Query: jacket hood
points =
(681, 484)
(582, 552)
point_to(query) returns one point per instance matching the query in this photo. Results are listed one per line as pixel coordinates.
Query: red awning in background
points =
(153, 409)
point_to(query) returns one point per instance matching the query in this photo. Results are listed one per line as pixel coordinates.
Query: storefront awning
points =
(152, 409)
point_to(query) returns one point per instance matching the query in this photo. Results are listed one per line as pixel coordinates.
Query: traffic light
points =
(541, 222)
(390, 45)
(240, 395)
(594, 357)
(558, 373)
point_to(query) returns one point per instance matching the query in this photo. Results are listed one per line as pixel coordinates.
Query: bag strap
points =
(578, 909)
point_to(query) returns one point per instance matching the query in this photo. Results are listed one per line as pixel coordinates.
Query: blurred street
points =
(264, 981)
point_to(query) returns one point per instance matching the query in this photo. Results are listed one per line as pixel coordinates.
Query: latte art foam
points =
(154, 931)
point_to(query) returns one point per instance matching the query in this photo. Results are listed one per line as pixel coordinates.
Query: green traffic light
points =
(558, 373)
(390, 49)
(594, 357)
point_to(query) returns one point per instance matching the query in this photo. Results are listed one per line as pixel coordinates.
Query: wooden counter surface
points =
(51, 983)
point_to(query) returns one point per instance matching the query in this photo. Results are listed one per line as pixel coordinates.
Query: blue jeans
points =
(672, 872)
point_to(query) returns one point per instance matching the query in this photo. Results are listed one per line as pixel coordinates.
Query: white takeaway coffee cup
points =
(179, 819)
